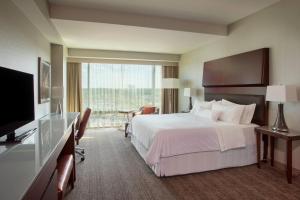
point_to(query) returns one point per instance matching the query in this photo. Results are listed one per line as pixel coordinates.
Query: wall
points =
(122, 55)
(56, 72)
(276, 27)
(20, 46)
(59, 74)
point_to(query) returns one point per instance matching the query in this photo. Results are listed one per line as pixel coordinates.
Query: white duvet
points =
(175, 134)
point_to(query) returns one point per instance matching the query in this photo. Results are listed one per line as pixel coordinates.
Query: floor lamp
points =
(170, 83)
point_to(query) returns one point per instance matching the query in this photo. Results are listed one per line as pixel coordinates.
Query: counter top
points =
(21, 163)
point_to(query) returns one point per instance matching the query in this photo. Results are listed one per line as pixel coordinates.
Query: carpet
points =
(113, 170)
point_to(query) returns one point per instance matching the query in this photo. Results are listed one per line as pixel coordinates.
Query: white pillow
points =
(229, 113)
(199, 105)
(248, 111)
(209, 114)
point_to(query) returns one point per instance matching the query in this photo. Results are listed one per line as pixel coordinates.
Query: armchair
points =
(144, 110)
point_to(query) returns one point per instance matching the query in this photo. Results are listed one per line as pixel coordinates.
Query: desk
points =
(288, 137)
(28, 169)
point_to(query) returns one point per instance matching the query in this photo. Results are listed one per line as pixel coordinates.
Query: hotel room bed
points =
(185, 143)
(180, 144)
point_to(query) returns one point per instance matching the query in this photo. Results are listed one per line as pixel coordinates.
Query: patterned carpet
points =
(114, 170)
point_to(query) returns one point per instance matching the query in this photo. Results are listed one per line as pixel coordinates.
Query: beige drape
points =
(74, 90)
(170, 96)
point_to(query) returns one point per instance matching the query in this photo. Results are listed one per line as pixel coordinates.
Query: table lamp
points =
(281, 94)
(57, 93)
(170, 83)
(189, 92)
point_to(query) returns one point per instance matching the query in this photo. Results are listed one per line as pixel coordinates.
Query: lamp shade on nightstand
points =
(170, 83)
(189, 92)
(281, 94)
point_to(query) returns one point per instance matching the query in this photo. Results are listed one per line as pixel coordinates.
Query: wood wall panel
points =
(245, 69)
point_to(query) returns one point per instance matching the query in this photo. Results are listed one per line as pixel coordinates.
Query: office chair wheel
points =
(82, 151)
(82, 158)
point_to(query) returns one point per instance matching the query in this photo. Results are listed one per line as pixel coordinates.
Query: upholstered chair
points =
(144, 110)
(80, 132)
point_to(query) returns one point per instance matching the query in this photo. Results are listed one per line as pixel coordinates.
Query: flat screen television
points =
(16, 100)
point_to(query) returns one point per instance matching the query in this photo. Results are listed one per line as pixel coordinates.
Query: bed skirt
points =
(199, 162)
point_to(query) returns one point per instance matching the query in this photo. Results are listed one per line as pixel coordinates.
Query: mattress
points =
(195, 161)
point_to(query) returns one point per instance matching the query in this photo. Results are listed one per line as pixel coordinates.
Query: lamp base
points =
(190, 104)
(58, 109)
(280, 124)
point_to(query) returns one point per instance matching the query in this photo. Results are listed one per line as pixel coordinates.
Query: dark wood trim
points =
(291, 135)
(241, 70)
(240, 78)
(265, 139)
(288, 137)
(258, 138)
(240, 95)
(289, 158)
(272, 142)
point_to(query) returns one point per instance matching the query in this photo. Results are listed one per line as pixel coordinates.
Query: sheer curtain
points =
(109, 88)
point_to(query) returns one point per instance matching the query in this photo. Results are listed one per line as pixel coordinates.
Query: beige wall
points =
(20, 46)
(276, 27)
(57, 75)
(59, 55)
(121, 55)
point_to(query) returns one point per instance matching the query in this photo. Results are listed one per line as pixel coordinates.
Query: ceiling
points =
(113, 36)
(213, 11)
(91, 35)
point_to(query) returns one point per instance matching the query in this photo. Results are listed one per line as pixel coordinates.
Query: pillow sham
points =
(209, 114)
(248, 111)
(198, 105)
(229, 113)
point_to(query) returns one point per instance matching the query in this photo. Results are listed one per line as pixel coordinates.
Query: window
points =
(108, 88)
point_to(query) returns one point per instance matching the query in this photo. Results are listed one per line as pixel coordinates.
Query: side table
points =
(288, 137)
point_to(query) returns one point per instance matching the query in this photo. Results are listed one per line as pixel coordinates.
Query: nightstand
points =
(288, 137)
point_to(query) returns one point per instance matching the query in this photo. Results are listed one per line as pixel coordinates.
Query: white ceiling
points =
(213, 11)
(128, 38)
(97, 35)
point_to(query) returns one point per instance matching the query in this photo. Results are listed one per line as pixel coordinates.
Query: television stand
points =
(12, 138)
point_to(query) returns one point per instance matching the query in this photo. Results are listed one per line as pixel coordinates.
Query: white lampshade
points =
(57, 92)
(189, 92)
(170, 83)
(281, 93)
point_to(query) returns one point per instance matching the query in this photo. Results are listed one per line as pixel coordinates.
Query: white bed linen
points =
(204, 161)
(177, 134)
(230, 136)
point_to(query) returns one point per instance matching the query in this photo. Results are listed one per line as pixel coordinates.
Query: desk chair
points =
(80, 132)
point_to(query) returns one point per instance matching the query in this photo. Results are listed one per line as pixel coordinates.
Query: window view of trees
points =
(110, 88)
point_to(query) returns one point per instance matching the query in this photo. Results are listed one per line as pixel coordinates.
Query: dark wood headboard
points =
(240, 79)
(245, 69)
